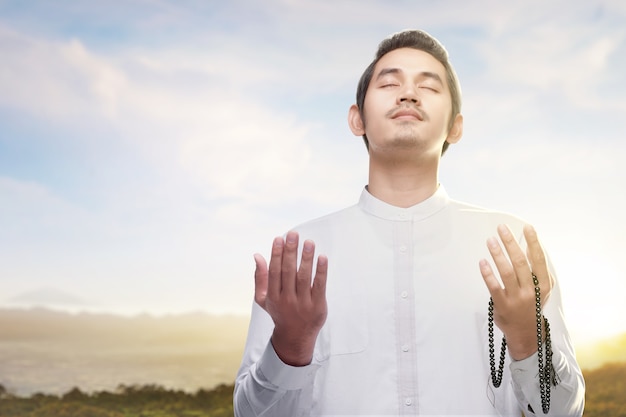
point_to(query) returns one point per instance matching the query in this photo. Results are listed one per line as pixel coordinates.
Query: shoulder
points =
(333, 219)
(480, 216)
(332, 230)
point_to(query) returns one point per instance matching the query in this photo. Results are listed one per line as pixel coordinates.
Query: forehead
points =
(410, 61)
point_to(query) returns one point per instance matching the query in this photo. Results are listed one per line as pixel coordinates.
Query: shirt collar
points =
(426, 208)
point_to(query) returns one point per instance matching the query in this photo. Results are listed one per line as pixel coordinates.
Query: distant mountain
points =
(104, 329)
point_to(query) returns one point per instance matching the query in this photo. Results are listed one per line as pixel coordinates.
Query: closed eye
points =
(429, 87)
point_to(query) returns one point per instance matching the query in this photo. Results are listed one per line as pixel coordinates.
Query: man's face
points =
(408, 104)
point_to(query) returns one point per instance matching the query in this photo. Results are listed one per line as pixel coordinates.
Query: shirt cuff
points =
(524, 372)
(285, 376)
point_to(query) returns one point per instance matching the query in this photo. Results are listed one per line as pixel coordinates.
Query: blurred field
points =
(52, 352)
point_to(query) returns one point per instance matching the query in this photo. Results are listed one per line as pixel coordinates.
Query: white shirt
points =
(406, 332)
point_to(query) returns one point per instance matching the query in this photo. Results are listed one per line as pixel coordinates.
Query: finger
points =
(537, 258)
(303, 284)
(289, 262)
(506, 271)
(493, 285)
(318, 290)
(274, 285)
(260, 280)
(516, 255)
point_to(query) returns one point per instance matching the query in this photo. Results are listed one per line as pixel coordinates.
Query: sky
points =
(148, 148)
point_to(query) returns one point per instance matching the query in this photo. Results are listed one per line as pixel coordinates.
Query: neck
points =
(403, 184)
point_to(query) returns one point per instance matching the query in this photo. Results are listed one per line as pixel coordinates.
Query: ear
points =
(355, 121)
(455, 133)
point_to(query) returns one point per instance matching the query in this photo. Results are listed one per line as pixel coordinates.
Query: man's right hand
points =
(295, 301)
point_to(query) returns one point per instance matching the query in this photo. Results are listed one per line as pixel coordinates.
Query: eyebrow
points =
(425, 74)
(386, 71)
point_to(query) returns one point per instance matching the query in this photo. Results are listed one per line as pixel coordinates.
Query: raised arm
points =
(277, 379)
(526, 277)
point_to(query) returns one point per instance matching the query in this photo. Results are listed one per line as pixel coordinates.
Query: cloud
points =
(58, 81)
(574, 51)
(213, 127)
(202, 115)
(30, 210)
(215, 153)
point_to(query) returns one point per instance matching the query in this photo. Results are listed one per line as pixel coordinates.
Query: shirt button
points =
(404, 294)
(405, 348)
(402, 216)
(402, 249)
(408, 401)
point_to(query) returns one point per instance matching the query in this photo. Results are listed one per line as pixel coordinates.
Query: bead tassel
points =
(547, 375)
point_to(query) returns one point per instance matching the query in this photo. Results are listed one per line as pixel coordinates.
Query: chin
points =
(406, 141)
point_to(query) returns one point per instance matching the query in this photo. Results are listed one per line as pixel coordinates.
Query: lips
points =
(407, 113)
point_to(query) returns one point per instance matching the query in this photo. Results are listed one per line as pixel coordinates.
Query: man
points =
(395, 318)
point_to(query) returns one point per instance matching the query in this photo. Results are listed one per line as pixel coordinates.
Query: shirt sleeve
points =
(265, 386)
(568, 397)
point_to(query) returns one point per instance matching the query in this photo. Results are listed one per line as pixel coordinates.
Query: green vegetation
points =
(606, 391)
(127, 401)
(606, 397)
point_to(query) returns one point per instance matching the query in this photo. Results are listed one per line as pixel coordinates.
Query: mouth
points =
(406, 113)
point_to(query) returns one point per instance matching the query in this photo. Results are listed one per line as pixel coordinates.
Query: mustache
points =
(407, 107)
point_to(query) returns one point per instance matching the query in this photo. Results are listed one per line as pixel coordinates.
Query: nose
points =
(408, 95)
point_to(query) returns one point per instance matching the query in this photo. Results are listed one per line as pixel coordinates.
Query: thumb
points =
(260, 280)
